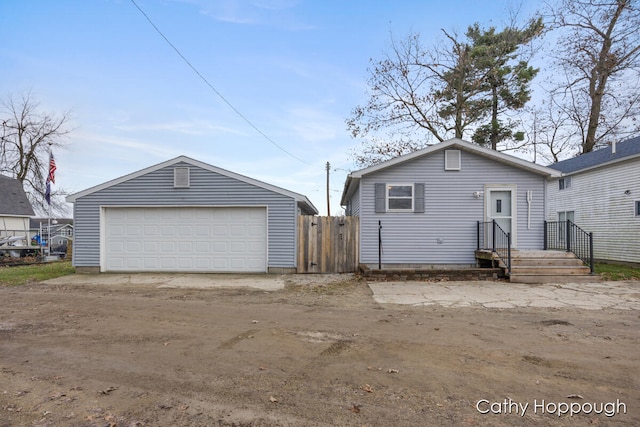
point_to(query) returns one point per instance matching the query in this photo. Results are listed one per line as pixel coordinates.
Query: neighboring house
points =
(61, 230)
(424, 207)
(183, 215)
(15, 210)
(600, 192)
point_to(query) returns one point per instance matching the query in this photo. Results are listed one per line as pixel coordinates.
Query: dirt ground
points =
(320, 352)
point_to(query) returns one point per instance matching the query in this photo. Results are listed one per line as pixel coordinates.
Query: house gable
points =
(183, 162)
(452, 149)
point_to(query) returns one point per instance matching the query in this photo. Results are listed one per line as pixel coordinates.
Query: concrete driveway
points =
(265, 282)
(591, 296)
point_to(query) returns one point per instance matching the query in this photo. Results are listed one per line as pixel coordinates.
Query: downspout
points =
(529, 200)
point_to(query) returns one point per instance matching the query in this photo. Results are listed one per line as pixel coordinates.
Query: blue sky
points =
(294, 68)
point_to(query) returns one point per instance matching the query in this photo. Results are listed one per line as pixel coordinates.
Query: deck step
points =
(549, 269)
(538, 266)
(552, 278)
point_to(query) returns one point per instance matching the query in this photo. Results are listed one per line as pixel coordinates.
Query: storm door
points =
(501, 207)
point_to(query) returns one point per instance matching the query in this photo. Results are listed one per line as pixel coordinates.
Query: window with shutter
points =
(399, 197)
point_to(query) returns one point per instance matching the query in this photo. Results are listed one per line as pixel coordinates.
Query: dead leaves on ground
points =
(107, 390)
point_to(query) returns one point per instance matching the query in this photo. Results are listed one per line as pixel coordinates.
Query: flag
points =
(51, 178)
(52, 168)
(47, 194)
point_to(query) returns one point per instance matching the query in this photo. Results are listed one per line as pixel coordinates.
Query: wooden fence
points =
(328, 244)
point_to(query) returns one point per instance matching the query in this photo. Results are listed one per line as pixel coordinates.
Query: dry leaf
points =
(367, 388)
(574, 396)
(272, 399)
(393, 371)
(355, 409)
(107, 391)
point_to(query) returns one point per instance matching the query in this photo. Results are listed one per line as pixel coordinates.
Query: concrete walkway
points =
(590, 296)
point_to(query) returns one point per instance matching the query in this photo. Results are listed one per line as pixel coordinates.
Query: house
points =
(15, 210)
(61, 231)
(184, 215)
(600, 192)
(423, 209)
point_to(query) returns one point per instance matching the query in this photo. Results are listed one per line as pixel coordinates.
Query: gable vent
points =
(452, 160)
(181, 178)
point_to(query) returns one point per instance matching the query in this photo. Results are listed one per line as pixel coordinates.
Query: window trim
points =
(564, 183)
(400, 184)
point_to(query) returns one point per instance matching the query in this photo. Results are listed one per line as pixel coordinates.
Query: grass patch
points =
(617, 272)
(16, 276)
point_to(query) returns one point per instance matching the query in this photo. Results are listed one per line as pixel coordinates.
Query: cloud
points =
(274, 13)
(185, 127)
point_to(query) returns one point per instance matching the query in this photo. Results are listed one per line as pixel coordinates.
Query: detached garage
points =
(186, 216)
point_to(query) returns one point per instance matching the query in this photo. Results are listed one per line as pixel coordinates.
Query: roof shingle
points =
(628, 148)
(13, 200)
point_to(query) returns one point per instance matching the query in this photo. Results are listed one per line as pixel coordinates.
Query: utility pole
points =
(328, 200)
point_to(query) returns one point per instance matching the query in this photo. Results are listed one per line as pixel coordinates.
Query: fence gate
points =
(327, 244)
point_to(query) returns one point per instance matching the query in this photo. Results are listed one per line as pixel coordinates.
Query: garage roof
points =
(302, 201)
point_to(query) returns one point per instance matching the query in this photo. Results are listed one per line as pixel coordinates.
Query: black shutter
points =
(381, 197)
(418, 198)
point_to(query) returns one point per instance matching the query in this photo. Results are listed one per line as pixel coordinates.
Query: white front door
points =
(501, 206)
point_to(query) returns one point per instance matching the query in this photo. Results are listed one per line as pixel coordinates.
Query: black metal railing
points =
(566, 236)
(492, 237)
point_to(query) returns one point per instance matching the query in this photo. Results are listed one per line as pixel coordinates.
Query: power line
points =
(204, 79)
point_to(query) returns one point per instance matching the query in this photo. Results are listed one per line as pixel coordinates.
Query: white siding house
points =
(15, 210)
(186, 216)
(423, 208)
(600, 192)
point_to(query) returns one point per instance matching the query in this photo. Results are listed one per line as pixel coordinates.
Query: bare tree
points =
(549, 136)
(599, 60)
(462, 85)
(27, 136)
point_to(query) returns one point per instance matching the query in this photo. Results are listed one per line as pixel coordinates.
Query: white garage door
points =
(185, 239)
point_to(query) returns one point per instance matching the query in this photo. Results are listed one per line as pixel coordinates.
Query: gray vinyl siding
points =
(207, 189)
(446, 232)
(601, 206)
(355, 203)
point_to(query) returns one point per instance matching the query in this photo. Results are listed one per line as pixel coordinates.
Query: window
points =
(400, 197)
(566, 215)
(564, 183)
(638, 208)
(452, 160)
